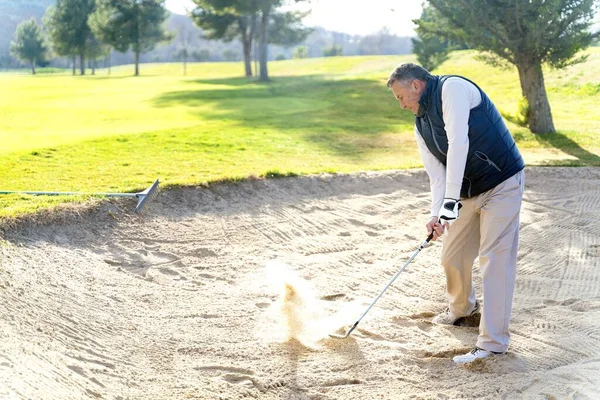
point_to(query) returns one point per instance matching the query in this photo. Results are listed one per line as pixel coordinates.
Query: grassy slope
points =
(574, 95)
(119, 133)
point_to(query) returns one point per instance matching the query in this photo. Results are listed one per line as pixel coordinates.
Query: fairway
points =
(115, 133)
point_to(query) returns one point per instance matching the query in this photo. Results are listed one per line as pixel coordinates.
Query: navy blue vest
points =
(493, 156)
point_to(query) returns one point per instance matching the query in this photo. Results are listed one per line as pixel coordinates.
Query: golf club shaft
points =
(421, 247)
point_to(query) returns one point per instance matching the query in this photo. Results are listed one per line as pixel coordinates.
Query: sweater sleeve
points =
(436, 172)
(458, 97)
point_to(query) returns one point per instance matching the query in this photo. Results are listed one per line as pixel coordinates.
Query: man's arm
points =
(458, 97)
(437, 174)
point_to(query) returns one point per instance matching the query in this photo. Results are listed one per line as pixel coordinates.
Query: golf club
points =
(421, 247)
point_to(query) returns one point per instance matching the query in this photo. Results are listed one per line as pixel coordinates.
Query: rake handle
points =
(72, 194)
(144, 197)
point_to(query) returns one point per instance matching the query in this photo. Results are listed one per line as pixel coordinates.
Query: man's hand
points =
(434, 226)
(449, 212)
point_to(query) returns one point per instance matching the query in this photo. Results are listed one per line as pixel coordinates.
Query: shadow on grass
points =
(115, 77)
(569, 146)
(344, 115)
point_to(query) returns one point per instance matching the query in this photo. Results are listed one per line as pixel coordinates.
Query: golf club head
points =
(338, 336)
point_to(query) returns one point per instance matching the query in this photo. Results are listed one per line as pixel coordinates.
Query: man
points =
(475, 171)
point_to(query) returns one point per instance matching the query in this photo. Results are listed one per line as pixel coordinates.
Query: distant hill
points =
(12, 12)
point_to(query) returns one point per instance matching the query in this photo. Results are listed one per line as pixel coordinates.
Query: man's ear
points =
(416, 84)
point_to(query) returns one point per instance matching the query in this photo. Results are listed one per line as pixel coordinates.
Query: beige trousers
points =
(488, 227)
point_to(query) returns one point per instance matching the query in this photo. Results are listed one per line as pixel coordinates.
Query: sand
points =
(228, 292)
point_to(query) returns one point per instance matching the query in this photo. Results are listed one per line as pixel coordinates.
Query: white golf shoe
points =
(448, 317)
(475, 354)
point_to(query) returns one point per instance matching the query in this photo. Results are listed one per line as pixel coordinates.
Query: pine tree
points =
(227, 19)
(29, 44)
(431, 50)
(524, 33)
(130, 24)
(68, 29)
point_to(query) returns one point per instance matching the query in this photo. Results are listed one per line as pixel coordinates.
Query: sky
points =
(349, 16)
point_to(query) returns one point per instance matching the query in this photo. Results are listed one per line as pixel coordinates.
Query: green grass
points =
(119, 133)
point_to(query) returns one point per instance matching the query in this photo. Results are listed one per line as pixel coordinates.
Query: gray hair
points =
(408, 72)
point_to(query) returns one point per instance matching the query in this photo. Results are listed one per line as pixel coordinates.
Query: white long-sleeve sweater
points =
(458, 98)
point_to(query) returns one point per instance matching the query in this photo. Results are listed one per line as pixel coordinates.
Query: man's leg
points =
(459, 249)
(498, 260)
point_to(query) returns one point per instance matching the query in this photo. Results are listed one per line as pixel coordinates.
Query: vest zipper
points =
(433, 136)
(469, 190)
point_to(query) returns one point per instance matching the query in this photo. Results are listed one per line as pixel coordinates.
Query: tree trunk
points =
(137, 63)
(264, 23)
(32, 67)
(252, 47)
(82, 64)
(247, 43)
(256, 56)
(74, 65)
(248, 26)
(534, 90)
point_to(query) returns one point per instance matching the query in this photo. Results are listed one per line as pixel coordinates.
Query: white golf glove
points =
(449, 211)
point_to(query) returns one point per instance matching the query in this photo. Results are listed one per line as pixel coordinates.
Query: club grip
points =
(429, 238)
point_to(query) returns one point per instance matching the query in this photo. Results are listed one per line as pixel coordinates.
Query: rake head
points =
(145, 197)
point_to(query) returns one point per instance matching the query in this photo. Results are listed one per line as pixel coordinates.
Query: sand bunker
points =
(179, 305)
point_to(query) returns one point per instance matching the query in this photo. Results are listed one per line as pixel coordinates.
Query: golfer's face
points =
(407, 94)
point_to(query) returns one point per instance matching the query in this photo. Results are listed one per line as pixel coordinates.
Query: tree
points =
(183, 51)
(231, 55)
(201, 55)
(431, 50)
(300, 52)
(68, 29)
(29, 44)
(333, 51)
(527, 34)
(135, 24)
(286, 29)
(63, 43)
(265, 7)
(226, 20)
(95, 50)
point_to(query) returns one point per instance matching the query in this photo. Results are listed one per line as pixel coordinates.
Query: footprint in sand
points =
(141, 260)
(237, 376)
(333, 297)
(342, 382)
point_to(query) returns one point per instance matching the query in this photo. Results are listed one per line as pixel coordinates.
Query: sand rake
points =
(143, 197)
(421, 247)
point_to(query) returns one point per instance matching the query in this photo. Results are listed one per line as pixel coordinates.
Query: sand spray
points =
(299, 313)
